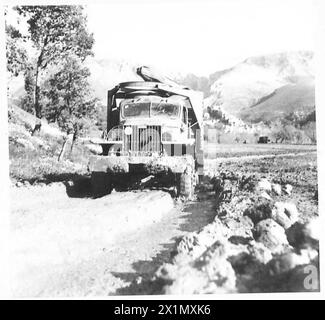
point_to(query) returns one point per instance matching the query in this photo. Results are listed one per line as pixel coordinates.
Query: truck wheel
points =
(187, 183)
(100, 184)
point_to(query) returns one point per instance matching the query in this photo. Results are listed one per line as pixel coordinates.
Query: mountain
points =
(105, 74)
(297, 97)
(265, 87)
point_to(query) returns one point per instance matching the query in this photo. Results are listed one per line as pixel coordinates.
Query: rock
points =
(218, 185)
(213, 274)
(138, 280)
(265, 195)
(314, 229)
(194, 244)
(265, 185)
(187, 243)
(214, 263)
(287, 189)
(303, 236)
(240, 226)
(276, 188)
(289, 260)
(221, 272)
(224, 210)
(310, 254)
(240, 240)
(246, 267)
(271, 234)
(260, 252)
(285, 214)
(205, 239)
(260, 210)
(19, 184)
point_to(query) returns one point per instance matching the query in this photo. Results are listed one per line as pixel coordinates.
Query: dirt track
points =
(65, 246)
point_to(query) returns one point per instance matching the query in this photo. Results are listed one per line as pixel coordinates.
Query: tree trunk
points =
(37, 127)
(64, 145)
(38, 111)
(74, 138)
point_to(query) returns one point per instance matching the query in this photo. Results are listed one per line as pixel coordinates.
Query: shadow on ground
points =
(78, 187)
(140, 279)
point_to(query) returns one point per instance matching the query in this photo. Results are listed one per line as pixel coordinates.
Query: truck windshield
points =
(150, 109)
(136, 110)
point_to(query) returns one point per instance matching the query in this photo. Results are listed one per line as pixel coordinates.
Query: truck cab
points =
(154, 127)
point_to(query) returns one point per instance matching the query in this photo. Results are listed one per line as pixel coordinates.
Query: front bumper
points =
(122, 164)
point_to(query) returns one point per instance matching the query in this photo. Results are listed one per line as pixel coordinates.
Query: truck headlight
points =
(115, 134)
(128, 131)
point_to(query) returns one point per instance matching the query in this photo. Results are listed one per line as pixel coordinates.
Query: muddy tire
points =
(187, 182)
(100, 184)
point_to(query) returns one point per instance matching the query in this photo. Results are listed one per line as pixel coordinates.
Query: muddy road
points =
(65, 244)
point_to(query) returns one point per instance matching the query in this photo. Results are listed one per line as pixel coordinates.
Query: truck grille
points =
(143, 140)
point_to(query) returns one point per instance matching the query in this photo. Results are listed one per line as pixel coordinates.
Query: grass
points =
(41, 164)
(34, 158)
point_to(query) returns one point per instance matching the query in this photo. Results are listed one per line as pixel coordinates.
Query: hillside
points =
(246, 89)
(34, 158)
(290, 98)
(105, 74)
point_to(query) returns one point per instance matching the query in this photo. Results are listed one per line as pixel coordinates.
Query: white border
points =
(320, 104)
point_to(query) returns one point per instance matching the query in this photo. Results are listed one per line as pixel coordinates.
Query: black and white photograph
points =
(162, 148)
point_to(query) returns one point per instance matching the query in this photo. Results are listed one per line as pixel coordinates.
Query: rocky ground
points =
(264, 237)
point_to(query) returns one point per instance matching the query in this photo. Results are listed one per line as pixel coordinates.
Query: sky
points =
(199, 36)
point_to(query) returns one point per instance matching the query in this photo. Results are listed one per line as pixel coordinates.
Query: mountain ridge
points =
(259, 79)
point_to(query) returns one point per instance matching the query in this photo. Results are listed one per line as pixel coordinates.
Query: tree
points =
(298, 136)
(15, 53)
(284, 133)
(69, 100)
(56, 32)
(310, 131)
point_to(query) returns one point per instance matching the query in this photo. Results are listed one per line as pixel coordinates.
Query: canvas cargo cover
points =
(157, 83)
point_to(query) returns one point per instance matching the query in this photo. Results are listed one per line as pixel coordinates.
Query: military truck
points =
(263, 139)
(153, 127)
